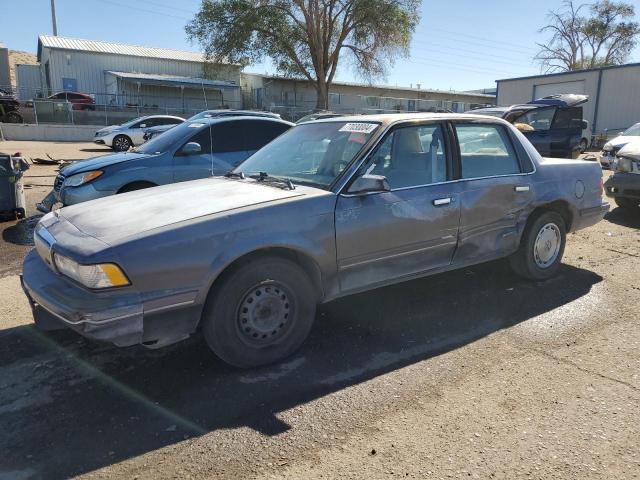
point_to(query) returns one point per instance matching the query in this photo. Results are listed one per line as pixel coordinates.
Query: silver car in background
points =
(130, 134)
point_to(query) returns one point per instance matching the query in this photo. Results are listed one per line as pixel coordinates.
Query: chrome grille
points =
(57, 183)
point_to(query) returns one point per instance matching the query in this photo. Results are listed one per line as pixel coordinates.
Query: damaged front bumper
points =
(57, 302)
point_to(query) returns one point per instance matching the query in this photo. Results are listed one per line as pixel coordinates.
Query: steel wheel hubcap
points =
(264, 314)
(547, 245)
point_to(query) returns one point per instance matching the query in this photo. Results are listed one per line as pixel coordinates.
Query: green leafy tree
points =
(307, 38)
(606, 36)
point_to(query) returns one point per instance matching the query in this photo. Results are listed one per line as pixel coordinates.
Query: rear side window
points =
(258, 133)
(486, 151)
(227, 137)
(568, 118)
(539, 119)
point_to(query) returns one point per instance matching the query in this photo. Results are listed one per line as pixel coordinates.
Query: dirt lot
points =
(469, 374)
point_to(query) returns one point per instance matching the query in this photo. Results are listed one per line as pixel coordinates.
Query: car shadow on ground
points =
(69, 406)
(97, 150)
(22, 232)
(624, 217)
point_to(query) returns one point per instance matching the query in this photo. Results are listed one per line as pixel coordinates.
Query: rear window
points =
(258, 133)
(486, 151)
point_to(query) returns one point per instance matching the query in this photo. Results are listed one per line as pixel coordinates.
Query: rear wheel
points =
(541, 247)
(121, 143)
(260, 313)
(626, 203)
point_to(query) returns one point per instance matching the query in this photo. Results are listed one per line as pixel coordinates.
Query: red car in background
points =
(79, 101)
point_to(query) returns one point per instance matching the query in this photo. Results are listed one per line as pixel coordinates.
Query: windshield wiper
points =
(232, 174)
(265, 177)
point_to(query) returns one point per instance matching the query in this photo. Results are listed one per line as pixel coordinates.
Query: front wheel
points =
(626, 203)
(260, 313)
(541, 247)
(121, 143)
(14, 117)
(583, 145)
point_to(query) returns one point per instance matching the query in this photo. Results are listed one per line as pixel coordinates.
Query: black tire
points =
(13, 117)
(626, 203)
(583, 145)
(132, 187)
(528, 261)
(121, 143)
(282, 300)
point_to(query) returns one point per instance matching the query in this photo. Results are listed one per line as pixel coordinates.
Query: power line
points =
(484, 39)
(459, 55)
(511, 61)
(502, 46)
(129, 7)
(168, 7)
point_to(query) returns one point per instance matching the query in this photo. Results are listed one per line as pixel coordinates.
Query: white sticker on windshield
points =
(195, 125)
(358, 127)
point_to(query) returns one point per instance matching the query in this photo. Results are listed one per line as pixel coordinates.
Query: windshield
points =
(131, 122)
(314, 153)
(633, 131)
(169, 139)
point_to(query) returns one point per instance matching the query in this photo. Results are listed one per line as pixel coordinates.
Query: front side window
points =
(485, 151)
(203, 137)
(411, 156)
(538, 119)
(313, 153)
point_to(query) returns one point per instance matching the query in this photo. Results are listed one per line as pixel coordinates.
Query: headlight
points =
(607, 147)
(102, 134)
(82, 178)
(624, 164)
(102, 275)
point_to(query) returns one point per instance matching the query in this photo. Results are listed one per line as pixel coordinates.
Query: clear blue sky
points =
(459, 44)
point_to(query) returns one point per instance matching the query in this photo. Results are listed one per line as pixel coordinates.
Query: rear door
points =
(495, 191)
(566, 132)
(192, 167)
(385, 236)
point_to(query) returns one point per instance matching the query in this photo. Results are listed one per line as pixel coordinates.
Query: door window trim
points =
(385, 135)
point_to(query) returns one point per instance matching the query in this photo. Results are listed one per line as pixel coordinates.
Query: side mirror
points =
(370, 183)
(191, 148)
(584, 124)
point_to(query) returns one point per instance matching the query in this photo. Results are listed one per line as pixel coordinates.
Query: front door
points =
(192, 167)
(387, 236)
(495, 191)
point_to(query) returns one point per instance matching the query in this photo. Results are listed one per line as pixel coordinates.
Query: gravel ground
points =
(469, 374)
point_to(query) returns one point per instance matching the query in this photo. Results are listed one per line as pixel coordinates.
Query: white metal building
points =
(118, 73)
(614, 93)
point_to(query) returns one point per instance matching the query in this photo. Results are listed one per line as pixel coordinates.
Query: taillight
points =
(601, 186)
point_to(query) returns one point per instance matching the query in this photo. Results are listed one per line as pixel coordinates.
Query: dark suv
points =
(553, 124)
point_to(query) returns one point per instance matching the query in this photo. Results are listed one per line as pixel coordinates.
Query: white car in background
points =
(129, 134)
(611, 148)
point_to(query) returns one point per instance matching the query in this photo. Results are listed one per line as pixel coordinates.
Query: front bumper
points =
(57, 302)
(607, 159)
(622, 184)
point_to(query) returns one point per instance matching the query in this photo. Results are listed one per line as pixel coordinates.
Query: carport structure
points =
(170, 92)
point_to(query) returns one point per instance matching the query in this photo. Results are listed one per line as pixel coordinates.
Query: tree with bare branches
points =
(604, 37)
(307, 38)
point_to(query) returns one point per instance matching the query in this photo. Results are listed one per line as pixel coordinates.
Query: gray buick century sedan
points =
(329, 208)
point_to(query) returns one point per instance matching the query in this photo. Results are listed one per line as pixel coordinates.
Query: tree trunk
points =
(322, 90)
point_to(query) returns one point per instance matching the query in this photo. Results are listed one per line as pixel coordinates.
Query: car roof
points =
(161, 116)
(239, 118)
(389, 118)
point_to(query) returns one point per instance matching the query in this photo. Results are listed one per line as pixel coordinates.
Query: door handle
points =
(522, 188)
(441, 201)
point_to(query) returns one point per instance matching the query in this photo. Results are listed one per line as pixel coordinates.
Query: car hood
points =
(631, 150)
(114, 218)
(97, 163)
(110, 128)
(621, 141)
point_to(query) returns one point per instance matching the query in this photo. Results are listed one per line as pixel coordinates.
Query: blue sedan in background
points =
(194, 149)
